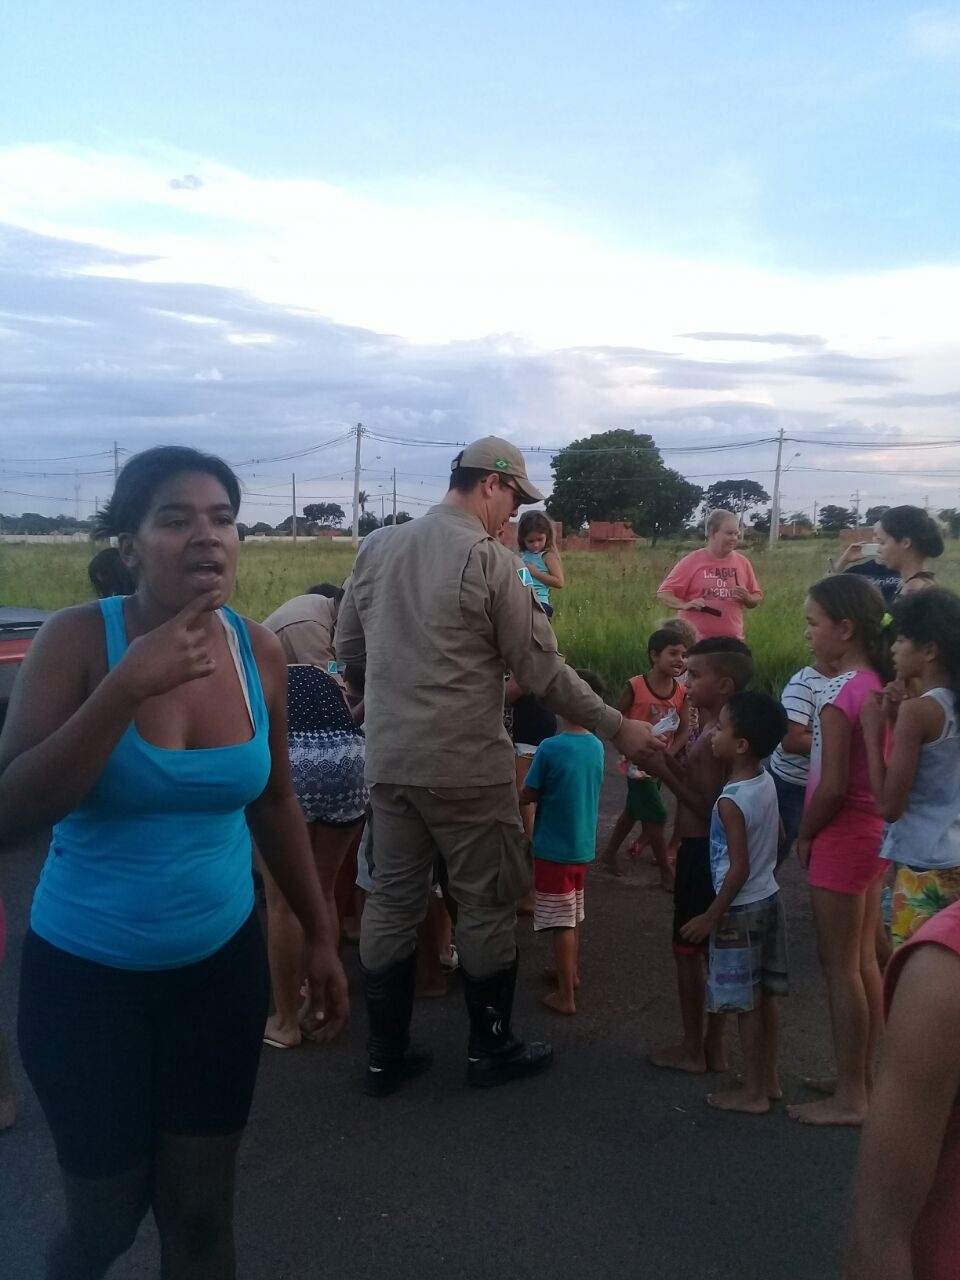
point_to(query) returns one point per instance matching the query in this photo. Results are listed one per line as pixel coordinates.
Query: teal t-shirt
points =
(540, 589)
(567, 773)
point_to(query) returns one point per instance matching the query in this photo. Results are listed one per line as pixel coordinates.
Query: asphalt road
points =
(604, 1167)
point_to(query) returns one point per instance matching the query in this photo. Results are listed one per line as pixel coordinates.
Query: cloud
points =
(772, 339)
(935, 34)
(189, 182)
(910, 400)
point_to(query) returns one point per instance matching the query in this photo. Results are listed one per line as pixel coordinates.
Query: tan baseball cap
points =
(493, 454)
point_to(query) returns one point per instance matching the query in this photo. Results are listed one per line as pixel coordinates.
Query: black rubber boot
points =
(495, 1055)
(391, 1057)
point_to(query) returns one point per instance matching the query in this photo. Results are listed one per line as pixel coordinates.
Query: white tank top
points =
(926, 837)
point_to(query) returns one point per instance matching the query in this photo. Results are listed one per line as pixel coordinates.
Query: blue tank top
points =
(540, 589)
(153, 869)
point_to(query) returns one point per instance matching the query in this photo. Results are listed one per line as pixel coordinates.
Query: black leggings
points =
(119, 1056)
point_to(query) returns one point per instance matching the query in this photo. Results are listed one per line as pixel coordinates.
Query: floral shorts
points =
(918, 895)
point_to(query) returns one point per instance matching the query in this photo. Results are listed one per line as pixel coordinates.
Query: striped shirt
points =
(799, 699)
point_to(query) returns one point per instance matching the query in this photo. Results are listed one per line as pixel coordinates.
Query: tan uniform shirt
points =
(439, 613)
(304, 627)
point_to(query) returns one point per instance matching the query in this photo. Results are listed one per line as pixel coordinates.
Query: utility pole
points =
(856, 507)
(815, 505)
(394, 495)
(293, 500)
(116, 462)
(356, 490)
(381, 507)
(775, 505)
(76, 494)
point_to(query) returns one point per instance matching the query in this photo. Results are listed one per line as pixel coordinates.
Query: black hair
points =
(593, 680)
(662, 639)
(109, 576)
(932, 616)
(726, 656)
(852, 598)
(142, 476)
(758, 718)
(466, 479)
(328, 589)
(914, 523)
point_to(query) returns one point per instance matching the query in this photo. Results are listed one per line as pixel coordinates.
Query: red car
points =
(17, 629)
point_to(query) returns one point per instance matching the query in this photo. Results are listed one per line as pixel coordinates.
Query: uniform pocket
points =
(515, 876)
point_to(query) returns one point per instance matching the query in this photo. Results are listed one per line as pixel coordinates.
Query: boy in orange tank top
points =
(658, 698)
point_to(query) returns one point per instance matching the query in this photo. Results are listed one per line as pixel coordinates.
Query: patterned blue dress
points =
(326, 749)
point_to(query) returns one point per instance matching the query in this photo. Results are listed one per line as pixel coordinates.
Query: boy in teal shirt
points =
(564, 783)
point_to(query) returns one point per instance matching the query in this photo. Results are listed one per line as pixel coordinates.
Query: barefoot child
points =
(716, 669)
(745, 922)
(564, 783)
(538, 551)
(658, 698)
(839, 841)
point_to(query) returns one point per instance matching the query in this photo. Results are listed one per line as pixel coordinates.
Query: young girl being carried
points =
(918, 789)
(839, 839)
(538, 551)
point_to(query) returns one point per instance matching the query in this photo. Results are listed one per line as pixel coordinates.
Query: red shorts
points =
(558, 894)
(845, 855)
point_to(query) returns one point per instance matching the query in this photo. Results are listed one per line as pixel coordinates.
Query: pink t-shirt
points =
(701, 576)
(936, 1233)
(848, 693)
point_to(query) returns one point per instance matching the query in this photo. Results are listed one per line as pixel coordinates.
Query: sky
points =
(249, 228)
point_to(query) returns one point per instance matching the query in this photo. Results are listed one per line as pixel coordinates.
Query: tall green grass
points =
(603, 619)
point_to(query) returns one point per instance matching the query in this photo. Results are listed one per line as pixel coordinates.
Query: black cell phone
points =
(714, 613)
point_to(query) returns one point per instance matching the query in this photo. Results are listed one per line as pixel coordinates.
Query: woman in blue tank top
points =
(149, 730)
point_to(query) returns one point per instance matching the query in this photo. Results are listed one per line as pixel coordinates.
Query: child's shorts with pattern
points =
(748, 957)
(558, 894)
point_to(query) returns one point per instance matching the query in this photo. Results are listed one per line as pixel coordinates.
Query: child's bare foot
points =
(610, 867)
(774, 1089)
(555, 1001)
(738, 1100)
(550, 973)
(827, 1111)
(821, 1084)
(667, 880)
(677, 1057)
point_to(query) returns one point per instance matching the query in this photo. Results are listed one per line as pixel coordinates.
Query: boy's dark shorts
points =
(693, 891)
(644, 803)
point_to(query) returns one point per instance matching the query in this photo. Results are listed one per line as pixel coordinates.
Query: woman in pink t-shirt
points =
(840, 834)
(906, 1213)
(717, 582)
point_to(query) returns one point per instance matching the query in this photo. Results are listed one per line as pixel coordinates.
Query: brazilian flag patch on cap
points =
(501, 463)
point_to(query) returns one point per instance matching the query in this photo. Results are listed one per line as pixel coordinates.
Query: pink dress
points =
(936, 1233)
(845, 856)
(701, 576)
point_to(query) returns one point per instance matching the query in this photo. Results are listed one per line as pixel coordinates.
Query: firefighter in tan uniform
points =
(438, 613)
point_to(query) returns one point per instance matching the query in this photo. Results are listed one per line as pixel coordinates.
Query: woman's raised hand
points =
(172, 654)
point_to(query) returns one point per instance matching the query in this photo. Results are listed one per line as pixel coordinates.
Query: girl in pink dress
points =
(840, 834)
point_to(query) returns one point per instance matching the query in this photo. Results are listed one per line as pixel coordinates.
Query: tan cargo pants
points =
(477, 833)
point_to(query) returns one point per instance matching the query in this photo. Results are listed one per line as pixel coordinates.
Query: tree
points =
(403, 517)
(800, 519)
(833, 519)
(362, 499)
(619, 475)
(736, 495)
(951, 518)
(325, 513)
(873, 514)
(367, 523)
(760, 520)
(260, 527)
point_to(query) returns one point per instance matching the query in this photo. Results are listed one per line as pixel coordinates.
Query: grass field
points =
(603, 616)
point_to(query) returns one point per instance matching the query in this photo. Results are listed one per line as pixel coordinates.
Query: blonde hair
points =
(532, 522)
(718, 518)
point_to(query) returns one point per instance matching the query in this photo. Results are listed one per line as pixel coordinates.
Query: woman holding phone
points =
(717, 582)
